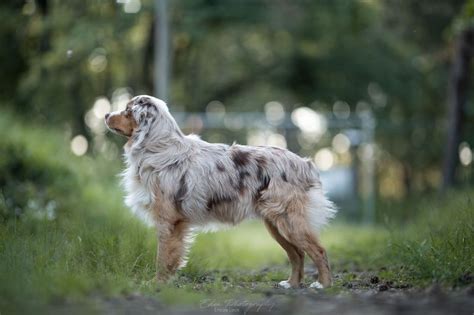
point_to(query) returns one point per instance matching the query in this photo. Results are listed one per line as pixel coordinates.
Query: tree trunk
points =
(162, 60)
(147, 66)
(457, 93)
(44, 44)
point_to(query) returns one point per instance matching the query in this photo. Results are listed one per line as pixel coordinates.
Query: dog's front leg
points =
(171, 248)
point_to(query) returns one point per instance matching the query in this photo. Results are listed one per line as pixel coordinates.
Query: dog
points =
(183, 183)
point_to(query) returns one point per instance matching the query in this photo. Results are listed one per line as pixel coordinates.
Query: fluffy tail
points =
(320, 209)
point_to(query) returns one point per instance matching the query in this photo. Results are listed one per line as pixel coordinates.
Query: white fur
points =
(284, 284)
(138, 198)
(320, 209)
(316, 285)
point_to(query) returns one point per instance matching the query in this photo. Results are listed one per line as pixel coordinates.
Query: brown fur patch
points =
(263, 178)
(295, 255)
(240, 158)
(264, 182)
(183, 189)
(171, 248)
(261, 164)
(215, 201)
(173, 165)
(296, 230)
(241, 185)
(124, 124)
(220, 166)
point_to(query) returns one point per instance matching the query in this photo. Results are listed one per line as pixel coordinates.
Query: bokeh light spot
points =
(465, 154)
(274, 112)
(324, 159)
(132, 6)
(101, 107)
(341, 110)
(215, 108)
(98, 60)
(79, 145)
(341, 143)
(309, 120)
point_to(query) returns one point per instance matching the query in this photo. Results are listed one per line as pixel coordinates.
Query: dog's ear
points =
(144, 118)
(141, 114)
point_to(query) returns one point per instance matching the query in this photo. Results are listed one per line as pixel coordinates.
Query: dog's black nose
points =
(107, 115)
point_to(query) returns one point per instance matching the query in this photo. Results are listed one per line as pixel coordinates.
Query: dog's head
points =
(140, 112)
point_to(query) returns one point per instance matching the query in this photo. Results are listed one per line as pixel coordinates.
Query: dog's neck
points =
(159, 143)
(156, 136)
(157, 150)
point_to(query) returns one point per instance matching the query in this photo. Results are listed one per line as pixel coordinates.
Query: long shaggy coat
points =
(184, 183)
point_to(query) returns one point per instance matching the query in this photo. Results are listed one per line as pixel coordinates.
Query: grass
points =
(94, 247)
(438, 246)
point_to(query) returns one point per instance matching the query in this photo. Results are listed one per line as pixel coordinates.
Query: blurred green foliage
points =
(29, 184)
(391, 56)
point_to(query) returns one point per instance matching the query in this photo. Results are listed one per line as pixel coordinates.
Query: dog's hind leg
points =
(298, 232)
(316, 251)
(295, 255)
(172, 247)
(294, 227)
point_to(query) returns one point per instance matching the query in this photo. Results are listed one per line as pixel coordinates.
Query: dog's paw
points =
(284, 284)
(316, 285)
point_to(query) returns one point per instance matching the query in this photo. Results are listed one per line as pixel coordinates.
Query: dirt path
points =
(306, 301)
(364, 294)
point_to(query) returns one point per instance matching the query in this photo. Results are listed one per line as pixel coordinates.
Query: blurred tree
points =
(423, 30)
(12, 55)
(458, 88)
(76, 52)
(458, 91)
(162, 49)
(389, 55)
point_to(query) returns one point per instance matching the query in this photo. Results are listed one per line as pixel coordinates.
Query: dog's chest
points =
(138, 197)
